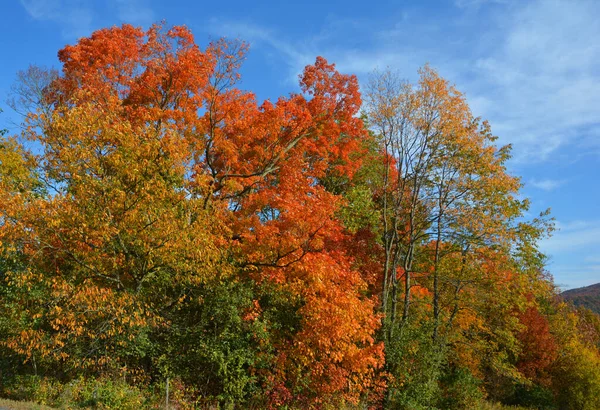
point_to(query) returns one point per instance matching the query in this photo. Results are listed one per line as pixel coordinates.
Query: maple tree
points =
(162, 177)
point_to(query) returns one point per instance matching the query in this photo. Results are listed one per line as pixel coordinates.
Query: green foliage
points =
(360, 211)
(216, 328)
(533, 396)
(460, 390)
(415, 363)
(576, 379)
(11, 363)
(487, 405)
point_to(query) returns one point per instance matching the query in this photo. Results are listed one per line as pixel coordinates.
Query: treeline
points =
(587, 297)
(318, 251)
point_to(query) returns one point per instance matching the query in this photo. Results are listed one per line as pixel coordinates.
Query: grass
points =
(497, 406)
(29, 405)
(21, 405)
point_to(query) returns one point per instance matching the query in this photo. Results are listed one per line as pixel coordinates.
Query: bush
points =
(533, 396)
(576, 378)
(103, 394)
(79, 393)
(415, 363)
(460, 390)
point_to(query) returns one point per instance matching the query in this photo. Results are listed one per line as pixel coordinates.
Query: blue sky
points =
(532, 68)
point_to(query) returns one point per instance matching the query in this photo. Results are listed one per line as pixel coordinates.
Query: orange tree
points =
(182, 225)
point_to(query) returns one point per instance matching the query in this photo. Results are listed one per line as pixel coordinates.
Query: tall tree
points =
(450, 210)
(164, 179)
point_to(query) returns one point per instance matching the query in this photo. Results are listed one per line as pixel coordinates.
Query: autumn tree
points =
(451, 217)
(165, 186)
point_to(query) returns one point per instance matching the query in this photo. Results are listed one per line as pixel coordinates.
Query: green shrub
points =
(460, 390)
(533, 396)
(576, 378)
(415, 363)
(101, 393)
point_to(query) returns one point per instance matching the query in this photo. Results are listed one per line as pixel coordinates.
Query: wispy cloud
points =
(543, 73)
(296, 55)
(547, 184)
(329, 42)
(78, 18)
(574, 248)
(575, 235)
(477, 3)
(135, 12)
(74, 16)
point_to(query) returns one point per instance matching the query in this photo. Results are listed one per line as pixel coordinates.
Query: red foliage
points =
(539, 349)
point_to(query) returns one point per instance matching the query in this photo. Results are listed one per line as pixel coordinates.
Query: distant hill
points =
(588, 297)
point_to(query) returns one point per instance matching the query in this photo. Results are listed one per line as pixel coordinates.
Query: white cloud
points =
(77, 18)
(74, 16)
(576, 275)
(533, 69)
(534, 72)
(135, 12)
(574, 248)
(547, 184)
(329, 43)
(543, 71)
(576, 235)
(477, 3)
(296, 55)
